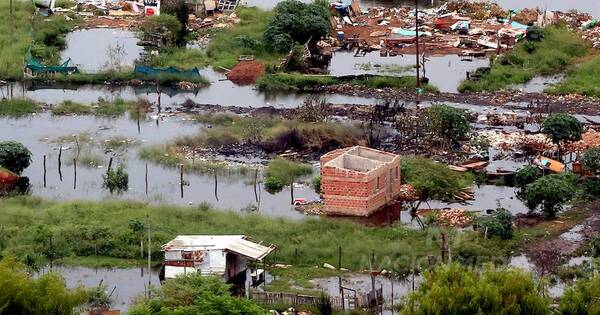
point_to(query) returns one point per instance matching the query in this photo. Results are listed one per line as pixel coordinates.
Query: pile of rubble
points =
(515, 141)
(590, 139)
(453, 218)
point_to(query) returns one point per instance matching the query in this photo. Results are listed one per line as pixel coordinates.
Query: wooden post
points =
(74, 174)
(146, 179)
(44, 171)
(292, 190)
(216, 185)
(181, 179)
(149, 257)
(340, 277)
(109, 164)
(60, 162)
(255, 180)
(417, 43)
(392, 300)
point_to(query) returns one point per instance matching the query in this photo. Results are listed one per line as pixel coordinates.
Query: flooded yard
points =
(91, 49)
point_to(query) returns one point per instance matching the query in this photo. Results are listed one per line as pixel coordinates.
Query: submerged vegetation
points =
(558, 49)
(18, 107)
(282, 82)
(103, 107)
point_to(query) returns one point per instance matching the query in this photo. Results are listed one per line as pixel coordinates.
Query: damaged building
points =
(232, 257)
(358, 181)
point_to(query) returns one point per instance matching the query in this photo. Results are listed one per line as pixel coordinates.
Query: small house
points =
(359, 181)
(232, 257)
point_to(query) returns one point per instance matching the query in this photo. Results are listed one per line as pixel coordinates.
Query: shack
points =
(358, 181)
(227, 256)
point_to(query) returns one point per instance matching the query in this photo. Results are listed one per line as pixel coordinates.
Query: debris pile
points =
(514, 141)
(453, 218)
(246, 72)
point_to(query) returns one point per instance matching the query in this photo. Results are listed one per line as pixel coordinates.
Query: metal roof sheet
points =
(234, 243)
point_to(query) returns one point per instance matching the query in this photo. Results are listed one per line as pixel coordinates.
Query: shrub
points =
(316, 184)
(448, 123)
(167, 26)
(14, 156)
(527, 175)
(562, 128)
(548, 193)
(297, 21)
(582, 298)
(500, 224)
(591, 159)
(591, 187)
(116, 180)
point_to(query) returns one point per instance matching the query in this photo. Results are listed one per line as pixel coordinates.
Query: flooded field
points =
(95, 50)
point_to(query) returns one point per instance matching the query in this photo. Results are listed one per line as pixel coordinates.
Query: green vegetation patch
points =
(15, 38)
(179, 57)
(71, 108)
(558, 49)
(18, 107)
(581, 79)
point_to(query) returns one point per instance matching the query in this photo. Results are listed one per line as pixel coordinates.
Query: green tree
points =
(116, 180)
(282, 173)
(48, 294)
(527, 175)
(454, 289)
(196, 294)
(447, 122)
(582, 299)
(14, 156)
(295, 22)
(500, 224)
(549, 194)
(181, 10)
(562, 128)
(591, 159)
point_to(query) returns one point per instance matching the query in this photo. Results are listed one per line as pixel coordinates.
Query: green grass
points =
(71, 108)
(15, 40)
(582, 79)
(179, 57)
(49, 37)
(298, 82)
(18, 107)
(245, 38)
(126, 76)
(113, 108)
(88, 229)
(559, 49)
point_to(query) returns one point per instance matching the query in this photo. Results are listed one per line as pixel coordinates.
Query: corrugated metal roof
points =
(250, 249)
(233, 243)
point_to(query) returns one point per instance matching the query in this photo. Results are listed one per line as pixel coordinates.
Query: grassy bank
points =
(559, 49)
(179, 57)
(18, 107)
(582, 79)
(114, 228)
(15, 38)
(116, 107)
(123, 77)
(298, 82)
(245, 38)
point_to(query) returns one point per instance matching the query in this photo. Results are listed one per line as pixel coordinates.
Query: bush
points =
(500, 224)
(591, 159)
(167, 26)
(297, 21)
(316, 184)
(582, 298)
(527, 175)
(282, 172)
(591, 187)
(561, 128)
(274, 185)
(448, 122)
(116, 180)
(549, 194)
(14, 156)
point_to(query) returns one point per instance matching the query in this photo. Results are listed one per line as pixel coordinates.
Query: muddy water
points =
(89, 49)
(445, 72)
(362, 284)
(128, 284)
(38, 132)
(488, 197)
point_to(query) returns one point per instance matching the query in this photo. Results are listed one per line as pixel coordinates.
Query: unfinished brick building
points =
(358, 181)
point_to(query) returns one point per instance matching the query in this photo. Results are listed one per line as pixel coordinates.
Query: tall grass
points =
(582, 79)
(71, 108)
(245, 38)
(559, 48)
(102, 229)
(179, 57)
(18, 107)
(16, 39)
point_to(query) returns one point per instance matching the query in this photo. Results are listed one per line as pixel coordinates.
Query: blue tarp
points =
(170, 70)
(518, 25)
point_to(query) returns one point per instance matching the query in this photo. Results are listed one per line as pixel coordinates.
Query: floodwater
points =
(488, 197)
(393, 290)
(591, 6)
(39, 132)
(445, 72)
(128, 284)
(90, 49)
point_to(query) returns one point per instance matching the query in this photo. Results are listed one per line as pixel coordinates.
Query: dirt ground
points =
(246, 72)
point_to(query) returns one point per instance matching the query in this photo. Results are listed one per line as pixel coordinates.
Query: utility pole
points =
(417, 43)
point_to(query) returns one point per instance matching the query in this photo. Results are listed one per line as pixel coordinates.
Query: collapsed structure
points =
(227, 256)
(358, 181)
